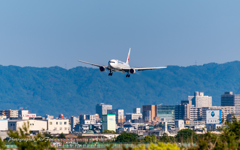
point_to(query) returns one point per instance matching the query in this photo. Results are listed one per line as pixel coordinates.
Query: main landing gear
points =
(110, 74)
(128, 75)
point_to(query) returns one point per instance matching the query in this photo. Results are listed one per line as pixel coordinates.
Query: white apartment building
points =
(58, 126)
(200, 100)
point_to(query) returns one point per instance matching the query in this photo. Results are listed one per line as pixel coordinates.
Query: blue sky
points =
(160, 32)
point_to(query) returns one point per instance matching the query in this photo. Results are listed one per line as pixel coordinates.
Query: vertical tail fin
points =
(128, 56)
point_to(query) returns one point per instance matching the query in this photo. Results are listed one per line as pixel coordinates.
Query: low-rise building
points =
(58, 126)
(3, 124)
(35, 126)
(226, 110)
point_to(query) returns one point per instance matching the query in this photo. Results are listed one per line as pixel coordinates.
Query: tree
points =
(162, 146)
(186, 135)
(61, 136)
(127, 137)
(108, 131)
(2, 144)
(47, 135)
(23, 141)
(165, 138)
(149, 139)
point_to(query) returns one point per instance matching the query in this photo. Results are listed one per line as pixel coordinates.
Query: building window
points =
(65, 123)
(60, 128)
(56, 123)
(65, 128)
(50, 123)
(60, 123)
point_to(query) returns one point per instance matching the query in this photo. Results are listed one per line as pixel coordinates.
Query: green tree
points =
(47, 135)
(166, 139)
(23, 141)
(149, 139)
(61, 136)
(162, 146)
(186, 135)
(108, 131)
(2, 144)
(127, 137)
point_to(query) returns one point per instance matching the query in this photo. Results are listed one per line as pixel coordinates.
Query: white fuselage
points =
(117, 65)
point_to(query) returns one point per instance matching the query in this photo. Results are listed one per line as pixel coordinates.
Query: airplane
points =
(119, 66)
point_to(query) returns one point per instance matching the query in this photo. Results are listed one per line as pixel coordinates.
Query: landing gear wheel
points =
(110, 74)
(128, 75)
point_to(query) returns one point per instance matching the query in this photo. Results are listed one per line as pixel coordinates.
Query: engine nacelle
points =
(132, 71)
(101, 69)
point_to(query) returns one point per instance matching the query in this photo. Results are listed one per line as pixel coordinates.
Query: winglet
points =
(128, 56)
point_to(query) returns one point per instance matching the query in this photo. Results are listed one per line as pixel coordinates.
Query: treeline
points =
(228, 139)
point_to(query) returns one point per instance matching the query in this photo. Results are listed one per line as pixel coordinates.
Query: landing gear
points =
(110, 74)
(128, 75)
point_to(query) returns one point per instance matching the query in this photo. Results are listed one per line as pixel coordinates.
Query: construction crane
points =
(80, 114)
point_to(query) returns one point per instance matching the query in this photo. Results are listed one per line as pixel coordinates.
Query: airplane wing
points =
(92, 64)
(148, 68)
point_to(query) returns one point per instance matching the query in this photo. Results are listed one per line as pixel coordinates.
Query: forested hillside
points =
(56, 90)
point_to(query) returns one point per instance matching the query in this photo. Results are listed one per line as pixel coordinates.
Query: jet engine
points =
(132, 71)
(101, 69)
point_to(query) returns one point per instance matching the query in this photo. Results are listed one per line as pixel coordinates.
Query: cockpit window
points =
(111, 62)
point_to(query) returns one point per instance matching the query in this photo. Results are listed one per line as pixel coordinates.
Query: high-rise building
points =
(133, 116)
(182, 111)
(87, 119)
(199, 100)
(146, 109)
(109, 122)
(166, 112)
(137, 110)
(74, 121)
(102, 108)
(230, 99)
(179, 112)
(119, 115)
(11, 114)
(147, 116)
(196, 113)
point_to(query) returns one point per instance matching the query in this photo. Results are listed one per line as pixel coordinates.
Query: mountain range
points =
(56, 90)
